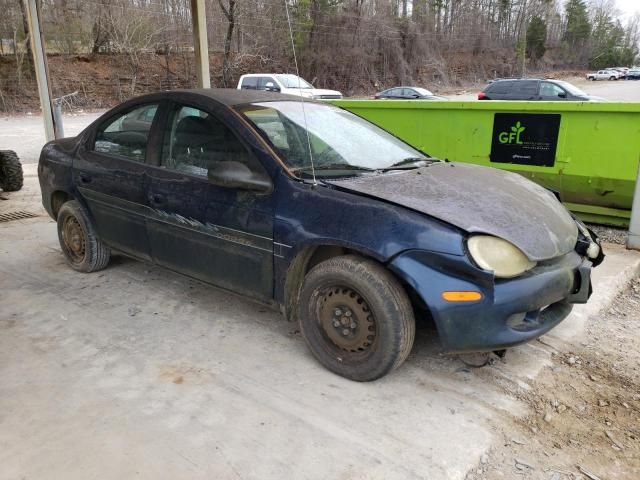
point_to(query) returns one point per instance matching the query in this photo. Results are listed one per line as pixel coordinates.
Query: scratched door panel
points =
(219, 235)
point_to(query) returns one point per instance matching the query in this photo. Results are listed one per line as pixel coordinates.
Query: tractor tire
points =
(11, 178)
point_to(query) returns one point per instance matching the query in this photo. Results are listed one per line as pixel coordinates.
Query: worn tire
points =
(385, 307)
(82, 248)
(11, 178)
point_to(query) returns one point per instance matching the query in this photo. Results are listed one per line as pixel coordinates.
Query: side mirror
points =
(270, 87)
(234, 174)
(562, 94)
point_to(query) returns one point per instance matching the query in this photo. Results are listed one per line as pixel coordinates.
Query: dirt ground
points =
(584, 420)
(137, 371)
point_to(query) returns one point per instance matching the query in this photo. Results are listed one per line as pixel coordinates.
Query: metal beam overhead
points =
(200, 43)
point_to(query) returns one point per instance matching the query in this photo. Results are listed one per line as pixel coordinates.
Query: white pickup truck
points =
(285, 83)
(603, 75)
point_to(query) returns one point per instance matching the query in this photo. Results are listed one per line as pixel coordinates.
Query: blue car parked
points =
(313, 210)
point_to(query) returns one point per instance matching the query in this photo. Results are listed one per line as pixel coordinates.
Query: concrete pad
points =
(138, 371)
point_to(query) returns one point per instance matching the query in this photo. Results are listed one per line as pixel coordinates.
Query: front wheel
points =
(356, 318)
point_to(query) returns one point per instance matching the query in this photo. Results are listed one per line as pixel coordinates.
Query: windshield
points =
(572, 89)
(339, 140)
(293, 81)
(422, 91)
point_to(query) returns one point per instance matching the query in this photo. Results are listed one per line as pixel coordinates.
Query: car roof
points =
(522, 80)
(228, 96)
(262, 74)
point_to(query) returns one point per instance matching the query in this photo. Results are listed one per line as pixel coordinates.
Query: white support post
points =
(634, 225)
(200, 44)
(40, 66)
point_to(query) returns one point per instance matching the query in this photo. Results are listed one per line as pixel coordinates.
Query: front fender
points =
(510, 311)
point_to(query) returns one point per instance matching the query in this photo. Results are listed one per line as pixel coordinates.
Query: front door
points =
(110, 174)
(223, 236)
(551, 91)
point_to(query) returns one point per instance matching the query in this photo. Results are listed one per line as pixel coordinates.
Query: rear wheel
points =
(84, 251)
(11, 178)
(356, 317)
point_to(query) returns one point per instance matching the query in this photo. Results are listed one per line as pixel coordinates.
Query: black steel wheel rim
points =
(74, 239)
(346, 321)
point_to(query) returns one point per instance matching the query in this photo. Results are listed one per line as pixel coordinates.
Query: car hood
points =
(479, 200)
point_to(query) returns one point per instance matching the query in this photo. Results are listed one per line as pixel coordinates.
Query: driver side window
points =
(127, 134)
(195, 141)
(550, 90)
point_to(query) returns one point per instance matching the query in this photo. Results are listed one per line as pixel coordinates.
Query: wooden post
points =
(200, 44)
(40, 66)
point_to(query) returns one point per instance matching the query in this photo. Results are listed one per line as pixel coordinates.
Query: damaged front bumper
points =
(510, 312)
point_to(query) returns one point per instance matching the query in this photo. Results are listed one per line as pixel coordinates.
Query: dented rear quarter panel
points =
(54, 170)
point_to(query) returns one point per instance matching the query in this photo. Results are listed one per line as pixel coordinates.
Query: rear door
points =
(500, 90)
(109, 172)
(525, 90)
(392, 93)
(223, 236)
(409, 93)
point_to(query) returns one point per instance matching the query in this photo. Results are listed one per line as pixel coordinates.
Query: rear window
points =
(500, 87)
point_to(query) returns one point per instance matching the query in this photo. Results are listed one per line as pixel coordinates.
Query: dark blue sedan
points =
(315, 211)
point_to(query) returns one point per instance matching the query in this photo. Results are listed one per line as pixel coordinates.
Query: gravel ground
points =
(610, 234)
(585, 420)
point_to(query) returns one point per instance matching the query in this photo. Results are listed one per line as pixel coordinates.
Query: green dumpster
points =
(587, 152)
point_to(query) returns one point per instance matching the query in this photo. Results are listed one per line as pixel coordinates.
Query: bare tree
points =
(228, 8)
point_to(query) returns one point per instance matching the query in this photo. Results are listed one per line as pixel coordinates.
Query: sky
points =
(628, 7)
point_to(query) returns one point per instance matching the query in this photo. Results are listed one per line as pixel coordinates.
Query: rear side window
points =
(249, 83)
(527, 87)
(500, 88)
(127, 134)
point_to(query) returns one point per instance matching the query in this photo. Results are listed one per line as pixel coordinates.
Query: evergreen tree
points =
(578, 27)
(536, 38)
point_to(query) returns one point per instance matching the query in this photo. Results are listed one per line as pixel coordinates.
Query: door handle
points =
(84, 178)
(157, 199)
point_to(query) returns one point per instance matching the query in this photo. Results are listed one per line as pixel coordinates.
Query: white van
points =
(285, 83)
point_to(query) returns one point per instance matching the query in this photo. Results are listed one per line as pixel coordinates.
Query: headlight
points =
(503, 258)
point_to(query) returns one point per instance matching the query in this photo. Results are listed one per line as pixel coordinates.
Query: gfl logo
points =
(513, 136)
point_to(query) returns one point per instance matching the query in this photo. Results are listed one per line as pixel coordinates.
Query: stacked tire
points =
(11, 178)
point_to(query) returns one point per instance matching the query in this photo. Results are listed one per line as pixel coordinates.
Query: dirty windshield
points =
(339, 141)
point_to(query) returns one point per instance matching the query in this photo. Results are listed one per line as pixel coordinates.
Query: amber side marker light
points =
(461, 296)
